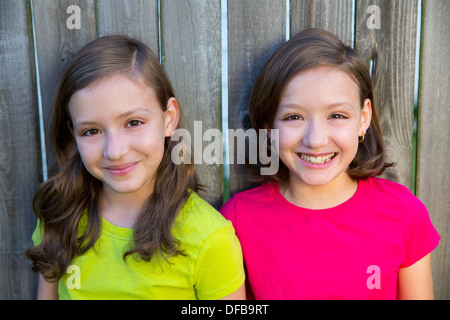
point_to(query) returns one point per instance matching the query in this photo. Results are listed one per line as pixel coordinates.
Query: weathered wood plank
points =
(394, 46)
(256, 29)
(191, 56)
(334, 16)
(55, 45)
(134, 18)
(433, 178)
(20, 149)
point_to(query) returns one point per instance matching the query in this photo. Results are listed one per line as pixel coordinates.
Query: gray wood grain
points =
(55, 45)
(134, 18)
(394, 46)
(433, 178)
(334, 16)
(191, 55)
(20, 154)
(255, 30)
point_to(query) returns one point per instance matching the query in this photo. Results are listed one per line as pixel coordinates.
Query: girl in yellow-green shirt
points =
(121, 220)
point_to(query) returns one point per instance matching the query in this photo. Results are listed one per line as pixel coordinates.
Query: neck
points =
(319, 197)
(121, 210)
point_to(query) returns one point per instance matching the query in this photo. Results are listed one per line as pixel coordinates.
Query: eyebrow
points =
(120, 116)
(329, 106)
(131, 112)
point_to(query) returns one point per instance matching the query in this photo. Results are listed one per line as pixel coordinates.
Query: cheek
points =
(348, 142)
(151, 144)
(288, 135)
(347, 133)
(89, 154)
(289, 140)
(286, 142)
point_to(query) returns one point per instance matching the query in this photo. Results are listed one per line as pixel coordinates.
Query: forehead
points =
(321, 86)
(113, 94)
(321, 77)
(119, 81)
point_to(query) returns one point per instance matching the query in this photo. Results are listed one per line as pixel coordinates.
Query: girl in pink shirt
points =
(323, 227)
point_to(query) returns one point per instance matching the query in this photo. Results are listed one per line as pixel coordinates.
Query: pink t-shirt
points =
(351, 251)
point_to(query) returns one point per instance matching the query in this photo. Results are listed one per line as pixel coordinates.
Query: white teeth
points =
(317, 160)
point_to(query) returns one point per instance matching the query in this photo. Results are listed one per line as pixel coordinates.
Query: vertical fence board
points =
(394, 46)
(256, 28)
(334, 16)
(135, 18)
(433, 183)
(20, 149)
(55, 45)
(191, 55)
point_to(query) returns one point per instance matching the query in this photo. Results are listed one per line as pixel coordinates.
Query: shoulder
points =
(416, 228)
(210, 241)
(257, 196)
(206, 236)
(38, 233)
(399, 201)
(248, 200)
(197, 217)
(385, 185)
(392, 193)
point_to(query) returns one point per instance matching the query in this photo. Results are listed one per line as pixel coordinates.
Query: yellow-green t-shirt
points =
(211, 267)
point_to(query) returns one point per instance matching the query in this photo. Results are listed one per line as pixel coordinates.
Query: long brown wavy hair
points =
(309, 49)
(60, 202)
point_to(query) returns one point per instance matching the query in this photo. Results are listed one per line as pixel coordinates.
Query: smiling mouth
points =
(317, 160)
(121, 169)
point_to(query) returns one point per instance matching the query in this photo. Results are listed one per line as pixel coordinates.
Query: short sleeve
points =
(420, 236)
(219, 269)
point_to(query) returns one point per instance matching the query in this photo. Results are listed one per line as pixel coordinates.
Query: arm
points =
(415, 282)
(47, 290)
(239, 294)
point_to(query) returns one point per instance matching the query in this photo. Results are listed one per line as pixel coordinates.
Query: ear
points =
(171, 116)
(366, 117)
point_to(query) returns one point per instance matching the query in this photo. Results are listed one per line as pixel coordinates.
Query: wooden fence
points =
(188, 36)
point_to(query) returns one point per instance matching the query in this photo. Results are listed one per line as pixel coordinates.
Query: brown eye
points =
(292, 117)
(134, 123)
(337, 116)
(90, 132)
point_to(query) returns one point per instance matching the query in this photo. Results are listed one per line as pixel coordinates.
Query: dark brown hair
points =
(309, 49)
(60, 202)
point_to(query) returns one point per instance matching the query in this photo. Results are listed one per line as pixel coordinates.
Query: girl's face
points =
(319, 120)
(119, 128)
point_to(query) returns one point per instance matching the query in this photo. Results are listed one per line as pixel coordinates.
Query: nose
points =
(315, 135)
(116, 146)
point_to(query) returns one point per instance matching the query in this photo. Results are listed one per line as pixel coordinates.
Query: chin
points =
(315, 181)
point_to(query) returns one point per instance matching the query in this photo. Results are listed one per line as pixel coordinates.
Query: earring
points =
(362, 138)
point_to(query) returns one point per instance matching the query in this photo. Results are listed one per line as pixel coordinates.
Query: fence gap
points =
(288, 19)
(159, 31)
(39, 100)
(225, 145)
(354, 19)
(416, 97)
